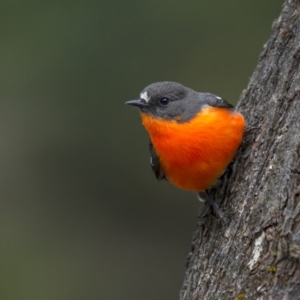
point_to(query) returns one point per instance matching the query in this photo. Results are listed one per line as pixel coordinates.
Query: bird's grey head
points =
(166, 100)
(172, 101)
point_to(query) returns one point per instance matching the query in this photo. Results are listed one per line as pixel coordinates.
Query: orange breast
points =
(194, 154)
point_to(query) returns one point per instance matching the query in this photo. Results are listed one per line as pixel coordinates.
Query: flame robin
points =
(193, 136)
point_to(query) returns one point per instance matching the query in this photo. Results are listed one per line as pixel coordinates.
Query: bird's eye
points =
(164, 101)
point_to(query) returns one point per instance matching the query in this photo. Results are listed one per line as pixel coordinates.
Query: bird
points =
(193, 135)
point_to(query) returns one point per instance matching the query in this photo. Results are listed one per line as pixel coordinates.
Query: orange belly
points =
(195, 153)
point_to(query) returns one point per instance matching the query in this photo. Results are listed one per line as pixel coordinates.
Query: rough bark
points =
(256, 255)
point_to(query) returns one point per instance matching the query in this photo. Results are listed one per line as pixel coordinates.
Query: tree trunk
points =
(256, 255)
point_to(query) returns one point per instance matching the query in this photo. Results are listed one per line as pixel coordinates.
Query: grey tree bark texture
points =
(256, 255)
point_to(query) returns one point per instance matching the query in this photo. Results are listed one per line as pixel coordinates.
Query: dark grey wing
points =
(214, 100)
(155, 164)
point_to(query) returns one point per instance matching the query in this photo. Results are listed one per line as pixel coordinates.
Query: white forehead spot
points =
(145, 96)
(218, 97)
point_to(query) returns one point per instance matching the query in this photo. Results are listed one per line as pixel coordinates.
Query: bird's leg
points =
(204, 195)
(249, 130)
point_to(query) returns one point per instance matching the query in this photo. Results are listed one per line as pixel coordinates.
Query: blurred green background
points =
(81, 214)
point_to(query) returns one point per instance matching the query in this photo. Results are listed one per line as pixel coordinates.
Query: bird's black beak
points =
(139, 103)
